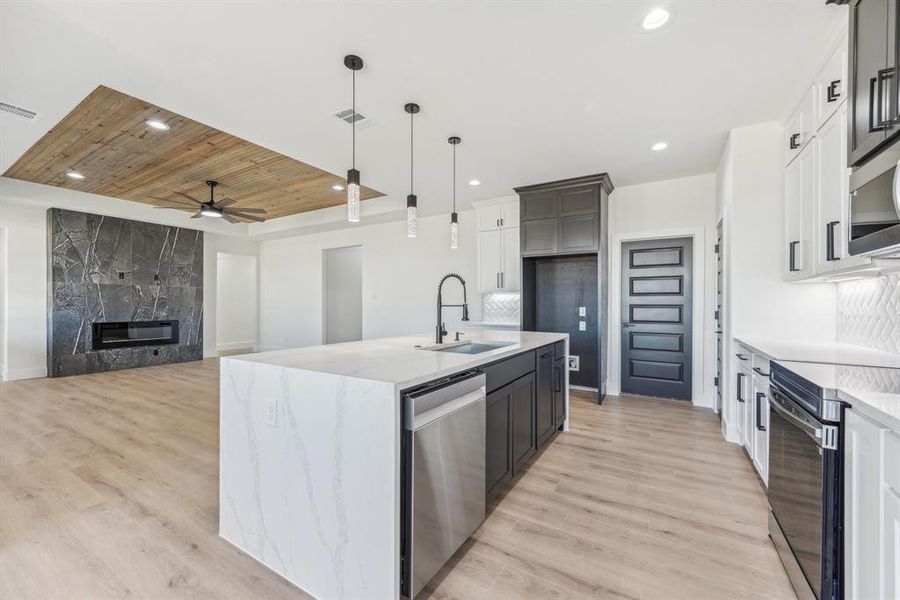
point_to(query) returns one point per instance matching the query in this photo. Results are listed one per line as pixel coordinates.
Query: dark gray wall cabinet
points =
(874, 87)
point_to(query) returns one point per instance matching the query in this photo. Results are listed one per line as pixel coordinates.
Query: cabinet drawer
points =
(579, 233)
(579, 201)
(502, 372)
(890, 443)
(539, 237)
(541, 205)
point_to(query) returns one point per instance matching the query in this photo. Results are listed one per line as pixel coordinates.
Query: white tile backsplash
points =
(869, 312)
(500, 307)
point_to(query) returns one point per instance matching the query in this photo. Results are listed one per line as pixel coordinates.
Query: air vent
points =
(348, 116)
(17, 111)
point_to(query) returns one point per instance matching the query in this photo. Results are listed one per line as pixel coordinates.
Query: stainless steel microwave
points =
(875, 205)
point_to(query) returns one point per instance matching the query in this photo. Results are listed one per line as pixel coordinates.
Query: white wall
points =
(759, 302)
(400, 278)
(672, 208)
(342, 295)
(236, 294)
(23, 217)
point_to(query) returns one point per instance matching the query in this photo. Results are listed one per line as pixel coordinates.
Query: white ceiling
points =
(537, 90)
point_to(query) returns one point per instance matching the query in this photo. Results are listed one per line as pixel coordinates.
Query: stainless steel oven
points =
(806, 484)
(875, 205)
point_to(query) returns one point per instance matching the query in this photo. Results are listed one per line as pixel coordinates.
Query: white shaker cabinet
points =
(490, 217)
(498, 246)
(799, 210)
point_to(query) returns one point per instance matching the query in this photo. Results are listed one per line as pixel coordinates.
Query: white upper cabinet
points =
(830, 85)
(491, 217)
(833, 187)
(799, 129)
(509, 275)
(490, 260)
(799, 212)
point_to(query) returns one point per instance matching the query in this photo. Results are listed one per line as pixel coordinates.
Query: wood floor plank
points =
(109, 489)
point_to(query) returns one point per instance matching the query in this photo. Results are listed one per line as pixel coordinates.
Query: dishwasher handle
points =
(430, 416)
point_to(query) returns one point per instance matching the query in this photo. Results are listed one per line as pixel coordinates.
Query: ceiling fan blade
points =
(197, 215)
(261, 211)
(191, 198)
(241, 215)
(224, 202)
(229, 218)
(178, 207)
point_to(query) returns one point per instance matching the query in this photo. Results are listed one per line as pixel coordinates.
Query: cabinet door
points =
(799, 129)
(510, 260)
(509, 217)
(833, 191)
(761, 428)
(862, 482)
(489, 218)
(579, 201)
(539, 237)
(831, 86)
(799, 206)
(544, 421)
(498, 446)
(580, 233)
(868, 75)
(559, 391)
(523, 445)
(490, 260)
(890, 544)
(539, 205)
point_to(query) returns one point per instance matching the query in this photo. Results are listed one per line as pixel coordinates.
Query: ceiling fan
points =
(221, 209)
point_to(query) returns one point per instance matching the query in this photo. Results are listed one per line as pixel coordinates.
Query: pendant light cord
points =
(353, 125)
(411, 153)
(454, 177)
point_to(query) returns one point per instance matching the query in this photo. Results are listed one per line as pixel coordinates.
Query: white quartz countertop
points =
(825, 352)
(397, 360)
(874, 392)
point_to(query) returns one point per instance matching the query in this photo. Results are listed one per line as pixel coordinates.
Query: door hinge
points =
(717, 249)
(716, 315)
(716, 381)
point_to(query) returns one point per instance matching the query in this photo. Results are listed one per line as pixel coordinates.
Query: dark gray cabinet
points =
(544, 384)
(539, 237)
(498, 447)
(579, 201)
(563, 220)
(522, 434)
(559, 391)
(579, 233)
(874, 87)
(540, 205)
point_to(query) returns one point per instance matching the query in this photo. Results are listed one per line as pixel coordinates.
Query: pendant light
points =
(454, 218)
(354, 63)
(411, 201)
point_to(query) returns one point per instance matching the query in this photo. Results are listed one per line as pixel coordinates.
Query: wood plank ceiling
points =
(106, 138)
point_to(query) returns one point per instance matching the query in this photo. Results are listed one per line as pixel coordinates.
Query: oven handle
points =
(781, 407)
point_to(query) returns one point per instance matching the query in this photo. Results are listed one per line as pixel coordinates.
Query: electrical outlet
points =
(573, 362)
(582, 311)
(272, 412)
(582, 325)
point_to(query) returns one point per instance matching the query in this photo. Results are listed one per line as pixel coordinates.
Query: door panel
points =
(579, 233)
(523, 443)
(544, 394)
(540, 206)
(579, 201)
(539, 237)
(490, 260)
(498, 450)
(656, 312)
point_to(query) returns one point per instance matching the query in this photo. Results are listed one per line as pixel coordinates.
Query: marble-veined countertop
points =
(398, 360)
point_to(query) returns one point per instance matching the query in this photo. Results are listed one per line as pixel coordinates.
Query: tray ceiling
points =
(106, 138)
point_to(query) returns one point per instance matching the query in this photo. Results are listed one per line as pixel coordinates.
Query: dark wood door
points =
(870, 78)
(656, 318)
(523, 443)
(559, 391)
(498, 443)
(544, 422)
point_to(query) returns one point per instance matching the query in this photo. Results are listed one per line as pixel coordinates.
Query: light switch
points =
(272, 412)
(582, 311)
(582, 325)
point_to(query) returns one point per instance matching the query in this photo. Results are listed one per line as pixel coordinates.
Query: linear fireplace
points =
(124, 334)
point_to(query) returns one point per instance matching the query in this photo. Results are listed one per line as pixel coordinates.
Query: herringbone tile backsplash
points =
(869, 312)
(500, 307)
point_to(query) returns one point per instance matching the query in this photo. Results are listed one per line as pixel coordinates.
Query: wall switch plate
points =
(573, 362)
(272, 412)
(582, 325)
(582, 311)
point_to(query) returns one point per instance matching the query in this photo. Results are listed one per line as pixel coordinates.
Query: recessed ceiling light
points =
(474, 182)
(659, 146)
(656, 18)
(155, 124)
(74, 175)
(337, 187)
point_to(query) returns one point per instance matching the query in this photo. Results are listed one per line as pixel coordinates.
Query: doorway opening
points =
(342, 294)
(236, 313)
(657, 314)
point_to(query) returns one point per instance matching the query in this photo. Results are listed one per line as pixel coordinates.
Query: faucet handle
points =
(443, 329)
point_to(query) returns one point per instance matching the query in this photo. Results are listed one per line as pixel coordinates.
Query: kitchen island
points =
(310, 454)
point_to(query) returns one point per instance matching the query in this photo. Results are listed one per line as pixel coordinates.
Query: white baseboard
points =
(236, 346)
(15, 374)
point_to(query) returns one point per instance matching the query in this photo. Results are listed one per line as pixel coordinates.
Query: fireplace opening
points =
(124, 334)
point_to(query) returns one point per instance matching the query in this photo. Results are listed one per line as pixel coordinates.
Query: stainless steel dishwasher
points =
(442, 502)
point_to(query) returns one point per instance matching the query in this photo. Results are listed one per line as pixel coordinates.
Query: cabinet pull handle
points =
(501, 221)
(830, 254)
(502, 278)
(794, 141)
(498, 279)
(792, 250)
(759, 371)
(740, 387)
(558, 386)
(759, 425)
(878, 107)
(831, 93)
(741, 356)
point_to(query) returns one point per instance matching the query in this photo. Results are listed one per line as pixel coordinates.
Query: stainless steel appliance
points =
(443, 500)
(875, 205)
(805, 483)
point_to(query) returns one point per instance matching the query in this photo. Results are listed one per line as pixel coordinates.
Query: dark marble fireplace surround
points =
(110, 269)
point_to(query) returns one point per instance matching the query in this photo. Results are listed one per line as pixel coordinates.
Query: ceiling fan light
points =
(208, 211)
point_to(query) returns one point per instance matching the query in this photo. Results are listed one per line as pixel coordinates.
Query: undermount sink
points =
(469, 347)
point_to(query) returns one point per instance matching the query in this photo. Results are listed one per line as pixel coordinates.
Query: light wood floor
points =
(109, 489)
